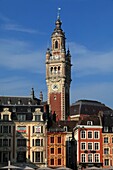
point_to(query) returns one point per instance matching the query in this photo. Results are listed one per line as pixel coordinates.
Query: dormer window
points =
(89, 123)
(56, 44)
(5, 117)
(105, 128)
(9, 101)
(19, 101)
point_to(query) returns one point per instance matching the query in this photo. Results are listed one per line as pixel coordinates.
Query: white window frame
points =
(106, 150)
(98, 134)
(98, 155)
(98, 146)
(92, 134)
(81, 134)
(107, 140)
(89, 123)
(108, 162)
(91, 145)
(106, 129)
(91, 158)
(84, 145)
(83, 156)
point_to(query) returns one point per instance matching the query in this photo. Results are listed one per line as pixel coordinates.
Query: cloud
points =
(10, 25)
(87, 62)
(101, 91)
(17, 55)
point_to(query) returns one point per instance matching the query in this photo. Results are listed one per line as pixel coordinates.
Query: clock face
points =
(55, 87)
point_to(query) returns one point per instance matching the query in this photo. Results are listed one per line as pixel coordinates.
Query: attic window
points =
(105, 128)
(9, 101)
(89, 123)
(65, 128)
(19, 101)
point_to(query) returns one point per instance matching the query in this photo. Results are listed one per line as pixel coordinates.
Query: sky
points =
(25, 34)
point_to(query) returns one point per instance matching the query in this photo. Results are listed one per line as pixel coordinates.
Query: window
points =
(89, 157)
(59, 161)
(96, 146)
(96, 157)
(38, 129)
(106, 162)
(59, 139)
(89, 135)
(52, 162)
(89, 146)
(106, 150)
(83, 146)
(96, 135)
(21, 156)
(39, 156)
(83, 134)
(106, 129)
(89, 122)
(83, 156)
(5, 129)
(0, 142)
(21, 142)
(37, 142)
(52, 139)
(59, 150)
(56, 44)
(52, 150)
(105, 139)
(21, 117)
(5, 142)
(37, 117)
(5, 117)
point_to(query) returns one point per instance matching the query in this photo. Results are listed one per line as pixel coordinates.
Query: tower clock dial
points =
(55, 87)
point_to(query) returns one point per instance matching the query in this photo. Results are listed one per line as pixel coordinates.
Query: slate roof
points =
(87, 107)
(107, 119)
(59, 126)
(20, 105)
(95, 120)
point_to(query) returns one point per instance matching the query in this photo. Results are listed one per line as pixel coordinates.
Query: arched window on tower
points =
(59, 70)
(51, 70)
(56, 44)
(55, 70)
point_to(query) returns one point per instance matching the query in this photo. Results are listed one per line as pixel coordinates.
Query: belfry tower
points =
(58, 73)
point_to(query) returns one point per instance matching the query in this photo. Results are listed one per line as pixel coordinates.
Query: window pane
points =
(52, 139)
(89, 134)
(59, 139)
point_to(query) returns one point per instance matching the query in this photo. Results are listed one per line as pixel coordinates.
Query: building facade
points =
(58, 73)
(88, 134)
(56, 147)
(22, 131)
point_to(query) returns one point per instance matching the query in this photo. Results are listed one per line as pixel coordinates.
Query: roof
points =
(94, 119)
(87, 107)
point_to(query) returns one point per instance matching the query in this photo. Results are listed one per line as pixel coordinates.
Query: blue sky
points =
(25, 34)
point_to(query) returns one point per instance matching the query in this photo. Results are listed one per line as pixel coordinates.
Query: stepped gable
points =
(87, 107)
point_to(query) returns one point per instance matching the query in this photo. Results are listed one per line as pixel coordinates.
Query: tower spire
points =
(58, 14)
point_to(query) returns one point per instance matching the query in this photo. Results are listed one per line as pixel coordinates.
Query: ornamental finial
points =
(58, 15)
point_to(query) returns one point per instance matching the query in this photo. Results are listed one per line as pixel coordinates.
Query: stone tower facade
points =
(58, 73)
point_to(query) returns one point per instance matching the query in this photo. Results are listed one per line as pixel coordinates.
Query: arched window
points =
(56, 44)
(59, 70)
